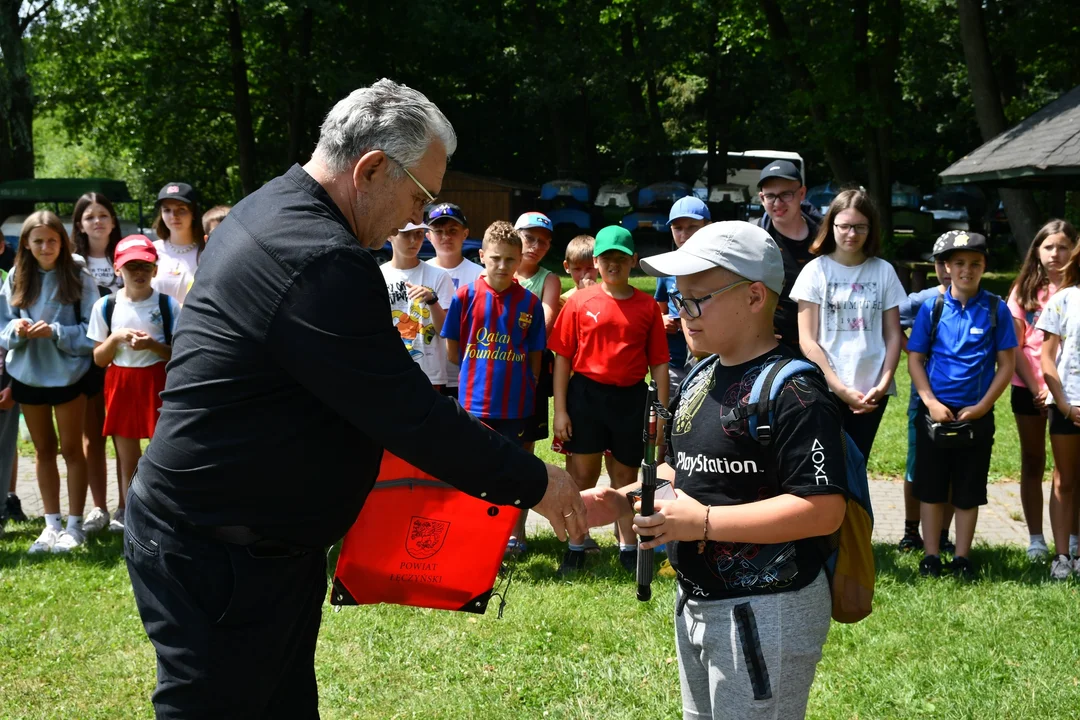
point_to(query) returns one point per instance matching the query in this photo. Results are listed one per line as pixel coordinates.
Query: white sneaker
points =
(96, 521)
(45, 542)
(1061, 568)
(117, 524)
(69, 540)
(1037, 551)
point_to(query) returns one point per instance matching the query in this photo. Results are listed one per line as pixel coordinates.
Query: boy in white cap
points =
(754, 605)
(419, 294)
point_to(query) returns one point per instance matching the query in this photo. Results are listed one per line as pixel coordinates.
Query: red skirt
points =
(133, 400)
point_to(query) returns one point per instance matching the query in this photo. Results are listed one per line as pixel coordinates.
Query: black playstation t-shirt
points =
(725, 466)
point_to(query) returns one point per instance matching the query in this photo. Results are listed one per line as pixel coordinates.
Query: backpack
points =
(848, 553)
(163, 306)
(939, 306)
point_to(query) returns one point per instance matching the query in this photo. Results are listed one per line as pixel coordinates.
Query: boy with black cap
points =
(687, 216)
(956, 342)
(610, 335)
(793, 224)
(753, 606)
(448, 230)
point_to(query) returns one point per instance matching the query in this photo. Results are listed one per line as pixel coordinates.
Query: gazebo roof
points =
(1044, 149)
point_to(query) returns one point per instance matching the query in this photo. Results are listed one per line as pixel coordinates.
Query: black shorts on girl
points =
(606, 417)
(30, 395)
(1061, 425)
(1023, 402)
(963, 471)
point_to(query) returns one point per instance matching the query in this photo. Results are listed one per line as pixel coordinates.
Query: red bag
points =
(419, 541)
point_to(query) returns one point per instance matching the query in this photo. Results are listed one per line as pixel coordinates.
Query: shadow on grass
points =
(105, 549)
(993, 564)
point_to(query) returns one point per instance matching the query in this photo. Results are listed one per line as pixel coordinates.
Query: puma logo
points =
(594, 315)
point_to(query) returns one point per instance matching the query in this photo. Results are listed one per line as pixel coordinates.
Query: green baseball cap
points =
(613, 237)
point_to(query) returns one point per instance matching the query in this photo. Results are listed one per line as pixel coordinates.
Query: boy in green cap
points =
(609, 336)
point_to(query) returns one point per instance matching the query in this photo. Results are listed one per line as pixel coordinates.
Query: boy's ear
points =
(481, 254)
(566, 266)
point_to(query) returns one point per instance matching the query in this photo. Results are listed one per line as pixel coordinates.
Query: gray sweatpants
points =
(752, 658)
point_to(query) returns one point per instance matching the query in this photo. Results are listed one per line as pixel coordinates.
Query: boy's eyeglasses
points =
(786, 196)
(427, 193)
(692, 306)
(860, 229)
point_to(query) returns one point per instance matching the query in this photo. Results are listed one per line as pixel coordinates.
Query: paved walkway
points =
(1000, 522)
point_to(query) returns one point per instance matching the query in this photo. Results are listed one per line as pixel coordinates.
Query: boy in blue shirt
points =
(687, 216)
(953, 368)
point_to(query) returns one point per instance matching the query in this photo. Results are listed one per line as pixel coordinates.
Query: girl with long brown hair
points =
(95, 229)
(849, 314)
(1040, 277)
(178, 226)
(45, 305)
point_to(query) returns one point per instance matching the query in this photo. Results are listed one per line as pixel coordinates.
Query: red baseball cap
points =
(135, 247)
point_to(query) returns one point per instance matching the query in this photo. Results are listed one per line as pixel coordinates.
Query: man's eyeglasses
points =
(427, 194)
(692, 306)
(786, 196)
(860, 229)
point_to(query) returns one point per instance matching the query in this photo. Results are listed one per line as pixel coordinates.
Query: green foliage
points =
(590, 89)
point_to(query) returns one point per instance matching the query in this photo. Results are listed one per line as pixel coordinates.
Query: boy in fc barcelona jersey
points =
(494, 330)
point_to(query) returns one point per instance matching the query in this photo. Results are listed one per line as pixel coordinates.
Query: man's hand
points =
(562, 505)
(671, 325)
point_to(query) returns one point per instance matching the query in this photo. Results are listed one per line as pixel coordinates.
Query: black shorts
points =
(963, 471)
(510, 428)
(93, 382)
(1061, 425)
(537, 426)
(606, 417)
(1023, 402)
(30, 395)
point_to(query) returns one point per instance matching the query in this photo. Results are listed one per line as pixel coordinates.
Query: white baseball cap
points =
(413, 226)
(744, 249)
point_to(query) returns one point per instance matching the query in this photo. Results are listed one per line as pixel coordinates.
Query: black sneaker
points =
(930, 566)
(573, 561)
(14, 508)
(962, 568)
(628, 559)
(910, 542)
(946, 545)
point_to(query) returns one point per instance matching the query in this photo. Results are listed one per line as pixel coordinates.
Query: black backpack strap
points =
(110, 308)
(166, 316)
(935, 318)
(994, 302)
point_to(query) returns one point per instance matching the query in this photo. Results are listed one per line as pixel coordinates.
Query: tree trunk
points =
(803, 80)
(245, 131)
(297, 125)
(1023, 212)
(16, 97)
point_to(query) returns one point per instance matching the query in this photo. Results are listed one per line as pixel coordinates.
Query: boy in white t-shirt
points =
(132, 330)
(447, 232)
(419, 297)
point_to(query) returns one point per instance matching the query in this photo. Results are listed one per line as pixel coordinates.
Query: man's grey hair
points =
(386, 116)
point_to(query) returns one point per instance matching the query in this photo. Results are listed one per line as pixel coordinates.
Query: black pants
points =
(862, 428)
(234, 627)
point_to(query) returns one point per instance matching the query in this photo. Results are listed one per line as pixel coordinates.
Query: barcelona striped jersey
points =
(496, 331)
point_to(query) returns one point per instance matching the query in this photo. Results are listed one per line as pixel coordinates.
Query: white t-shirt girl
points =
(1061, 316)
(103, 273)
(144, 315)
(852, 301)
(176, 268)
(413, 318)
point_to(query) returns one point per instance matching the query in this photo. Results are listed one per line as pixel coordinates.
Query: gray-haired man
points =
(287, 382)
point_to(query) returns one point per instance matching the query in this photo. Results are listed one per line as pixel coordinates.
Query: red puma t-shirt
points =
(611, 341)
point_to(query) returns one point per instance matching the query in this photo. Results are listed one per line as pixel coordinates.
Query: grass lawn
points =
(71, 645)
